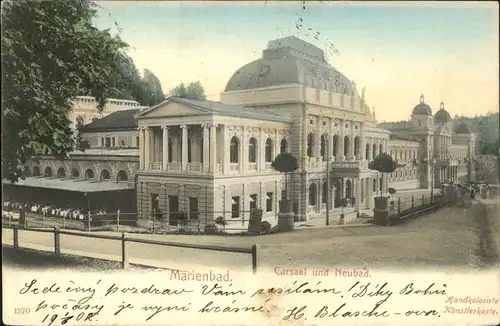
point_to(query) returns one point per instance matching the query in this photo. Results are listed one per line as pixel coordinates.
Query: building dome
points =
(290, 60)
(463, 129)
(422, 108)
(442, 116)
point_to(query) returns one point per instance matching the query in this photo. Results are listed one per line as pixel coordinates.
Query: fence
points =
(124, 239)
(157, 224)
(404, 206)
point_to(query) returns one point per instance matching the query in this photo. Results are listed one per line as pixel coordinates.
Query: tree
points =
(152, 87)
(383, 163)
(51, 53)
(193, 91)
(285, 163)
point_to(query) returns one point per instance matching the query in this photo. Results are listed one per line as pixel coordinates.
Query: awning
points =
(71, 184)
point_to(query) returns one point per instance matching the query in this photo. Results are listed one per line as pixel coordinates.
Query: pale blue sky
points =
(448, 52)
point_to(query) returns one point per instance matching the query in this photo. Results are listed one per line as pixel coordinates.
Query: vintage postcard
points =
(250, 163)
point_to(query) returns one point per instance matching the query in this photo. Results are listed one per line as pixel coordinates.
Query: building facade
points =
(214, 158)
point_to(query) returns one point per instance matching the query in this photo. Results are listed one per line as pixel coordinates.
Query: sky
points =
(447, 51)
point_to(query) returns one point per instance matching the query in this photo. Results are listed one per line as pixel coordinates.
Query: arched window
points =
(323, 147)
(348, 189)
(201, 150)
(374, 151)
(170, 150)
(105, 175)
(189, 150)
(335, 140)
(89, 174)
(234, 149)
(75, 173)
(61, 172)
(269, 150)
(312, 194)
(252, 150)
(356, 146)
(324, 193)
(284, 146)
(367, 151)
(48, 172)
(36, 171)
(346, 146)
(380, 149)
(121, 176)
(310, 145)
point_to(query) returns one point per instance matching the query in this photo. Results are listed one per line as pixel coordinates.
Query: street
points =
(449, 238)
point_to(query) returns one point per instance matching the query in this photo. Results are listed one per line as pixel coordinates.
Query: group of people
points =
(11, 210)
(465, 193)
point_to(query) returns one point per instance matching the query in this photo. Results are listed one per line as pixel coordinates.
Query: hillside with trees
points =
(486, 126)
(194, 91)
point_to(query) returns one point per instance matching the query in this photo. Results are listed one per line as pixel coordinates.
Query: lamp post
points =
(328, 181)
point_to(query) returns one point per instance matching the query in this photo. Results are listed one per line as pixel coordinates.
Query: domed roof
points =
(422, 108)
(442, 116)
(463, 129)
(290, 60)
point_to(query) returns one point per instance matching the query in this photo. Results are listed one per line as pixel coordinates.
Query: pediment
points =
(173, 109)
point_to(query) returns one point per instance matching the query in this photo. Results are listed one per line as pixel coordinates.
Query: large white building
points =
(215, 157)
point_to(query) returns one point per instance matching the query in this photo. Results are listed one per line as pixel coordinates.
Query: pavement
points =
(447, 238)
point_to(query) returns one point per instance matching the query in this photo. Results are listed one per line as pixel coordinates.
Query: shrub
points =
(392, 191)
(285, 163)
(265, 227)
(210, 229)
(220, 221)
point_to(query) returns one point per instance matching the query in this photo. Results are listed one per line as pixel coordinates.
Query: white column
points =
(165, 147)
(206, 146)
(184, 157)
(213, 148)
(147, 149)
(261, 153)
(341, 157)
(141, 148)
(226, 147)
(362, 143)
(243, 159)
(358, 194)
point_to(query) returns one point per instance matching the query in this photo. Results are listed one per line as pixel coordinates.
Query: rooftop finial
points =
(422, 98)
(442, 106)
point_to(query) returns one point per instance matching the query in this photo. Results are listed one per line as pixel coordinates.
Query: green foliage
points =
(383, 163)
(193, 91)
(487, 129)
(392, 191)
(51, 53)
(285, 163)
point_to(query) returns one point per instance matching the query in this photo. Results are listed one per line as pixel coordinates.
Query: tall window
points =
(356, 145)
(324, 193)
(189, 150)
(193, 208)
(380, 149)
(374, 151)
(346, 146)
(367, 151)
(108, 142)
(170, 150)
(137, 141)
(312, 194)
(252, 150)
(201, 150)
(253, 201)
(269, 202)
(310, 145)
(234, 149)
(335, 144)
(269, 150)
(284, 146)
(235, 207)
